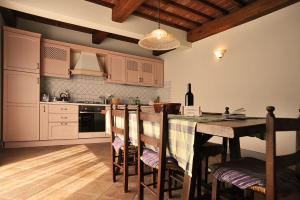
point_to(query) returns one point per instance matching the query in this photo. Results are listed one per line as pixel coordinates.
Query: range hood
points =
(88, 64)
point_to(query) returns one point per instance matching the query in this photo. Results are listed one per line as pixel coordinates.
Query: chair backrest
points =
(123, 114)
(161, 143)
(275, 125)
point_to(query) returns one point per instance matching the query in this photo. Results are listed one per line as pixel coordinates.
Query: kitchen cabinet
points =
(20, 106)
(63, 130)
(21, 50)
(147, 72)
(63, 122)
(44, 121)
(55, 59)
(132, 71)
(159, 75)
(139, 72)
(21, 87)
(116, 69)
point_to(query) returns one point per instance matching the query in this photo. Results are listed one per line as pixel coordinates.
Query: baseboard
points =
(55, 142)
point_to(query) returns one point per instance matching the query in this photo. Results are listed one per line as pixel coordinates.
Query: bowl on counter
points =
(171, 108)
(116, 101)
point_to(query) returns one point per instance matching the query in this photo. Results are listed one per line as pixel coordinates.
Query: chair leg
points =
(154, 178)
(214, 188)
(113, 159)
(125, 169)
(170, 173)
(206, 170)
(136, 163)
(140, 179)
(199, 180)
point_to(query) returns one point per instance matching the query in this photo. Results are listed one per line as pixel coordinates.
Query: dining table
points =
(188, 134)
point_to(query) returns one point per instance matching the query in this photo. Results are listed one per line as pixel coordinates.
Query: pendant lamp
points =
(159, 39)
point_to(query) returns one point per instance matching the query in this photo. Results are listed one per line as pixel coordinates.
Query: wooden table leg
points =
(235, 149)
(225, 146)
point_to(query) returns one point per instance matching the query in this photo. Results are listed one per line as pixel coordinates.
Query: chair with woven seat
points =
(272, 177)
(152, 153)
(122, 153)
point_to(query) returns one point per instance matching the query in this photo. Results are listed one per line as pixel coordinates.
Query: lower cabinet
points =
(63, 130)
(58, 122)
(20, 122)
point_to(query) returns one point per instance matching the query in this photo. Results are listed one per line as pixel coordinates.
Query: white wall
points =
(261, 67)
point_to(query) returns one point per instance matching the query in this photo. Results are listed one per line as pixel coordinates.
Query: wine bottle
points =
(189, 97)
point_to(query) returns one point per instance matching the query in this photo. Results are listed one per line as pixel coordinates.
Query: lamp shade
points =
(159, 40)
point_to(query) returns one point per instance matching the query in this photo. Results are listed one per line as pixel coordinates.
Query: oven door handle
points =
(83, 112)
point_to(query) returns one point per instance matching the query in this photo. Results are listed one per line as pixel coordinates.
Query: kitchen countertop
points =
(91, 104)
(71, 103)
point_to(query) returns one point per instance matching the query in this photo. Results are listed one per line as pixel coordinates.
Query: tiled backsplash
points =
(89, 88)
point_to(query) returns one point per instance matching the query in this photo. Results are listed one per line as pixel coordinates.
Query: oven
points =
(91, 121)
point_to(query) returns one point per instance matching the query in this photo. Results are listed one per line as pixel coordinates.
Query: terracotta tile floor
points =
(80, 172)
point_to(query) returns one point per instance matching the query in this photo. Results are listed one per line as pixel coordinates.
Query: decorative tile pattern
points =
(89, 88)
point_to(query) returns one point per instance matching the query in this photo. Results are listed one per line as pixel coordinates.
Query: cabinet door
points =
(159, 75)
(116, 69)
(44, 121)
(147, 73)
(21, 87)
(55, 60)
(20, 122)
(132, 71)
(21, 52)
(63, 130)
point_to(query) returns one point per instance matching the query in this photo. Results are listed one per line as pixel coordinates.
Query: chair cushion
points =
(211, 149)
(151, 158)
(118, 143)
(250, 173)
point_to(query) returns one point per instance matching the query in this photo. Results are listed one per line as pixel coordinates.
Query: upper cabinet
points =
(143, 72)
(116, 69)
(55, 59)
(25, 46)
(159, 75)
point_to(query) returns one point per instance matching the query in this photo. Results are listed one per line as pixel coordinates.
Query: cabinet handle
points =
(38, 65)
(44, 108)
(64, 117)
(109, 76)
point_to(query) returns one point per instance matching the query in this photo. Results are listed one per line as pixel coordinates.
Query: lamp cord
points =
(158, 8)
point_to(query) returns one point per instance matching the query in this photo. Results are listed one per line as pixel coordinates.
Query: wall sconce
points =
(219, 53)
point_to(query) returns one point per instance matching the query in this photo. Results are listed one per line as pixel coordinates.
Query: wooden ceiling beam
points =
(9, 17)
(189, 9)
(214, 6)
(124, 9)
(159, 53)
(243, 15)
(99, 36)
(237, 3)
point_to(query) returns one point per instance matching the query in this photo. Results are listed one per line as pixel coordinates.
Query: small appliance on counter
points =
(45, 97)
(65, 96)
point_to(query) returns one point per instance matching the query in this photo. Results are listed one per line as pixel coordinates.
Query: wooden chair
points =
(272, 177)
(151, 158)
(121, 150)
